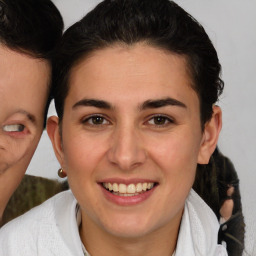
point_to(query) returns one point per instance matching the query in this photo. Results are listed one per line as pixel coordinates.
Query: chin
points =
(130, 232)
(128, 227)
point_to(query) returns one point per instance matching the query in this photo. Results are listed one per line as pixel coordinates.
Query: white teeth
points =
(138, 187)
(128, 190)
(109, 186)
(144, 186)
(115, 187)
(131, 189)
(122, 188)
(150, 185)
(119, 194)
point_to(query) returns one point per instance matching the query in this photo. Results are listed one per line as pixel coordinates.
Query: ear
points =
(210, 136)
(54, 135)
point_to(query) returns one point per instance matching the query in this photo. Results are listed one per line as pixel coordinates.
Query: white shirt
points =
(52, 229)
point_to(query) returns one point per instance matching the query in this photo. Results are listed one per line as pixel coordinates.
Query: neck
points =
(159, 242)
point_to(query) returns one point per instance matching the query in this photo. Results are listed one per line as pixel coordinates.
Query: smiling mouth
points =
(128, 190)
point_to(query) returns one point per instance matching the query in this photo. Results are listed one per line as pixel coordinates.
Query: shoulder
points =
(199, 229)
(202, 212)
(43, 213)
(202, 219)
(29, 232)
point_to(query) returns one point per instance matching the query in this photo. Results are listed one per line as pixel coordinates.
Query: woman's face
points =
(131, 139)
(23, 92)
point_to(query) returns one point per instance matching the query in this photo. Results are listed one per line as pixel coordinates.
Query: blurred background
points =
(231, 25)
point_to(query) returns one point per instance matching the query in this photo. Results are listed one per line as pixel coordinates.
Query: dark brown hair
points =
(162, 24)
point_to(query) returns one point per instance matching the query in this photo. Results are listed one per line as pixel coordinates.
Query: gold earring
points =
(61, 173)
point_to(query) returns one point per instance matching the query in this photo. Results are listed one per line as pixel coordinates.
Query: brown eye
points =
(160, 121)
(96, 120)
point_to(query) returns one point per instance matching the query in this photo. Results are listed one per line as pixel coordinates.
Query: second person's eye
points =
(14, 128)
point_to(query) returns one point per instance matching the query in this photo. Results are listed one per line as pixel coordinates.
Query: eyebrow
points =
(92, 103)
(29, 116)
(162, 103)
(146, 105)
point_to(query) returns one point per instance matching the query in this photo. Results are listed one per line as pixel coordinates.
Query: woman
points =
(136, 84)
(29, 31)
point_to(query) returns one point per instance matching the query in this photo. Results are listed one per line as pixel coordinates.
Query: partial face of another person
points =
(131, 139)
(24, 82)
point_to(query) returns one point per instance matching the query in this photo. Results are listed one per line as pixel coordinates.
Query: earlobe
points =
(54, 135)
(210, 137)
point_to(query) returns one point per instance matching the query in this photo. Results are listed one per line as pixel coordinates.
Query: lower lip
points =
(127, 200)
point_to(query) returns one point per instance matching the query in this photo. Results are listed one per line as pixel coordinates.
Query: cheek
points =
(17, 152)
(176, 156)
(176, 159)
(81, 153)
(81, 160)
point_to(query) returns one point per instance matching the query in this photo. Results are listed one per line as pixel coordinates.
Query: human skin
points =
(123, 136)
(228, 205)
(24, 82)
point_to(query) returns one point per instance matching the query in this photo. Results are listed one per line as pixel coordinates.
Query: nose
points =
(126, 149)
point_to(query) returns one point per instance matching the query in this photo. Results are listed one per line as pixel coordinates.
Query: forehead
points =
(24, 82)
(131, 72)
(18, 62)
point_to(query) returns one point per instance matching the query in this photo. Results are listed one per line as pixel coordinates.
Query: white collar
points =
(198, 230)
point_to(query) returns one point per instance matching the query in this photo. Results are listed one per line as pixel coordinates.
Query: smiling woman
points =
(135, 87)
(130, 143)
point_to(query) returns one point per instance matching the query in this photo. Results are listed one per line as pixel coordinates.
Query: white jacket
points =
(52, 229)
